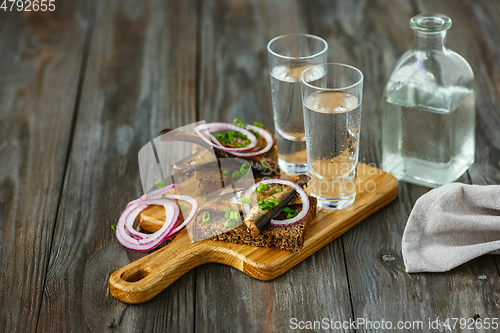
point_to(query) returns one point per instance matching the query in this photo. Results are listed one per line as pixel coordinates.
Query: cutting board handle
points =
(143, 279)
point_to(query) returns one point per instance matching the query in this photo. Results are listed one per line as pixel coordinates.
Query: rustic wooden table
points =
(82, 88)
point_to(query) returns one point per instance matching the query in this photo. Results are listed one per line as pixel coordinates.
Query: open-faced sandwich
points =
(240, 142)
(275, 213)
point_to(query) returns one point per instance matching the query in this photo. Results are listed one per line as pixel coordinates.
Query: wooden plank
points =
(140, 78)
(41, 62)
(380, 288)
(234, 82)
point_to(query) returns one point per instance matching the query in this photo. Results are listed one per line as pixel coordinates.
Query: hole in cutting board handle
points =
(135, 275)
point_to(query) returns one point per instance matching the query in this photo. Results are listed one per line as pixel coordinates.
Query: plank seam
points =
(81, 78)
(347, 278)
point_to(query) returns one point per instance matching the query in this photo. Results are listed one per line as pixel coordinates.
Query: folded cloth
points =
(451, 225)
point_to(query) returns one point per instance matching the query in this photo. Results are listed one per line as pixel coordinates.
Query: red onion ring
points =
(141, 236)
(261, 131)
(121, 232)
(303, 196)
(129, 214)
(222, 127)
(172, 215)
(146, 242)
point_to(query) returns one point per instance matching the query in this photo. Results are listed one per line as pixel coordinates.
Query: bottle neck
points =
(425, 41)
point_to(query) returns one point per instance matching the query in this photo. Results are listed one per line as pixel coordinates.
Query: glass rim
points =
(332, 64)
(325, 48)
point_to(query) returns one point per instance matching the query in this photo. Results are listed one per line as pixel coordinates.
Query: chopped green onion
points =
(256, 123)
(230, 135)
(160, 184)
(264, 165)
(205, 198)
(256, 134)
(237, 121)
(236, 175)
(265, 207)
(113, 226)
(245, 166)
(225, 140)
(163, 196)
(245, 200)
(291, 214)
(278, 189)
(241, 146)
(241, 136)
(221, 135)
(235, 216)
(227, 214)
(261, 188)
(273, 201)
(182, 206)
(206, 217)
(229, 223)
(287, 210)
(226, 172)
(261, 202)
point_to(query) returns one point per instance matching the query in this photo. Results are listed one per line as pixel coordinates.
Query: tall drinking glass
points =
(332, 118)
(289, 55)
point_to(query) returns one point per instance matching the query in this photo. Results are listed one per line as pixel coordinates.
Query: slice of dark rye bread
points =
(289, 238)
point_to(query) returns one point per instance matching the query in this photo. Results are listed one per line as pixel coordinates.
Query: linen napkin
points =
(451, 225)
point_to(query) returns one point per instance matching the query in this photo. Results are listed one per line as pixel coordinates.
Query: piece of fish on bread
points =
(290, 238)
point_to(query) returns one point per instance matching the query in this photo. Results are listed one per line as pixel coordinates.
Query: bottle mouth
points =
(430, 23)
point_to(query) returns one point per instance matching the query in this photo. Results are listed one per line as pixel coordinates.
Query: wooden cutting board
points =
(143, 279)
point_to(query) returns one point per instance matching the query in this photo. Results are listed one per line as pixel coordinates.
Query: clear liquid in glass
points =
(288, 116)
(332, 120)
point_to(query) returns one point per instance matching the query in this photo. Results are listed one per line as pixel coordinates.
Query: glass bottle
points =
(429, 109)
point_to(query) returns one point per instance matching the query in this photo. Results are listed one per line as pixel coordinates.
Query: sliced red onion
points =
(121, 233)
(202, 130)
(261, 131)
(303, 196)
(171, 213)
(146, 242)
(129, 214)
